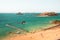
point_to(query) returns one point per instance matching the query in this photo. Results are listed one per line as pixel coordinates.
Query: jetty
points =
(18, 30)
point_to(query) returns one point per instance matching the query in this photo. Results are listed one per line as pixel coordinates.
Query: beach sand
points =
(52, 33)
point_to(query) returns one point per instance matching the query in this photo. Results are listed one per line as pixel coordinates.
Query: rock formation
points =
(56, 22)
(19, 13)
(48, 14)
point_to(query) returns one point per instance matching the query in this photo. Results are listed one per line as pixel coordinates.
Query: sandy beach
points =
(52, 33)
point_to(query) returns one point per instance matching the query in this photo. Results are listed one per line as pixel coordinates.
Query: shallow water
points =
(32, 22)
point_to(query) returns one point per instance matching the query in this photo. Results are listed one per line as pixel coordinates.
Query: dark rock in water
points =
(56, 22)
(9, 32)
(23, 22)
(19, 13)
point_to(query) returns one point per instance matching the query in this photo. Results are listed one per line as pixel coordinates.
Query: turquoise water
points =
(32, 21)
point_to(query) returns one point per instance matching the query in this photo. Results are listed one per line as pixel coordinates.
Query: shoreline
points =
(37, 35)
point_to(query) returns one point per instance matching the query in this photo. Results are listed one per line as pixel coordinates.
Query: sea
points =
(32, 22)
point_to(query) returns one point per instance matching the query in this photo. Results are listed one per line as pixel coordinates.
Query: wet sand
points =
(52, 33)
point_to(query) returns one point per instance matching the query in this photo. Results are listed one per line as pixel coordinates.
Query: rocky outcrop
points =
(48, 14)
(19, 13)
(56, 22)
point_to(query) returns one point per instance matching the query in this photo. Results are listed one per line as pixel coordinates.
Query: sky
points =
(29, 5)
